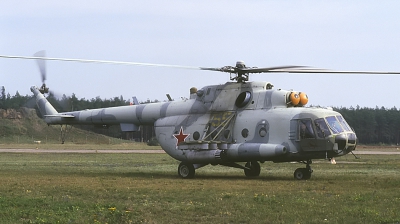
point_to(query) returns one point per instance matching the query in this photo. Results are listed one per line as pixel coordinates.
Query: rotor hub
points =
(240, 64)
(43, 89)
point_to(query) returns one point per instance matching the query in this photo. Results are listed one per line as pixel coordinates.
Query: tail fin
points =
(44, 106)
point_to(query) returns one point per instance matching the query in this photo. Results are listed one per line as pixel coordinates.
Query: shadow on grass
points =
(240, 177)
(175, 176)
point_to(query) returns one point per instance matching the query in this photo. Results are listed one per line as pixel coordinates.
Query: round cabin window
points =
(196, 135)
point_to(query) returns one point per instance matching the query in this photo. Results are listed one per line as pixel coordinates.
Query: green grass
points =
(143, 188)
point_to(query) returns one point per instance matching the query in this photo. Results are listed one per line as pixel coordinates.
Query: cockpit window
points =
(343, 123)
(305, 129)
(334, 124)
(322, 128)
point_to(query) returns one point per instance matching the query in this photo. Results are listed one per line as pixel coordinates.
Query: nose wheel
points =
(303, 173)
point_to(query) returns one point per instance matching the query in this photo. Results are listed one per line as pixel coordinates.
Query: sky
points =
(339, 35)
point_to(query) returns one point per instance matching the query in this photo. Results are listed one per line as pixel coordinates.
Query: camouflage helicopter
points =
(238, 124)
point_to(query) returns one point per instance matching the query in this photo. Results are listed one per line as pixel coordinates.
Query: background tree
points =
(3, 98)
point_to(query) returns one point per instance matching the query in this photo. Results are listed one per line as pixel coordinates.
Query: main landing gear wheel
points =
(303, 173)
(253, 169)
(186, 170)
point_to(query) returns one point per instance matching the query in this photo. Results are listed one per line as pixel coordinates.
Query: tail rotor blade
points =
(41, 63)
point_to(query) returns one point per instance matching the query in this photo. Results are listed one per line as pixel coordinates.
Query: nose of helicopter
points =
(346, 142)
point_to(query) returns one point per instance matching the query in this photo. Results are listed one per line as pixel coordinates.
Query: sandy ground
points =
(146, 151)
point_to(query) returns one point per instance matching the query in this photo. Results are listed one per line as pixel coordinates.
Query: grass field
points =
(145, 188)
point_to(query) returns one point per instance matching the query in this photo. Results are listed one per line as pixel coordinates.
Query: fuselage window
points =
(322, 128)
(305, 129)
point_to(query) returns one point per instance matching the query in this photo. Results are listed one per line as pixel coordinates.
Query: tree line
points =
(372, 125)
(64, 103)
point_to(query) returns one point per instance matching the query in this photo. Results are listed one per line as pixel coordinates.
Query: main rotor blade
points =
(271, 69)
(229, 69)
(99, 61)
(304, 69)
(295, 69)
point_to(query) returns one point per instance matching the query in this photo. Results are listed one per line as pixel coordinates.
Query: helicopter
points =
(238, 124)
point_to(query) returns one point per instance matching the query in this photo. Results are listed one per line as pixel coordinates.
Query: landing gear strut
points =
(303, 173)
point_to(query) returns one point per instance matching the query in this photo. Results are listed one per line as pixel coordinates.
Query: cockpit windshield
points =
(334, 124)
(343, 123)
(324, 127)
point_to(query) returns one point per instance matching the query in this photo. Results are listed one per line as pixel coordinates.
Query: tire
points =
(302, 174)
(186, 170)
(254, 169)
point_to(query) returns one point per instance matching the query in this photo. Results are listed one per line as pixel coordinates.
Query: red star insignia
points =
(180, 137)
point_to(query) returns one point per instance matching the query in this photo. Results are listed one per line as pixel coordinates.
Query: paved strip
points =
(80, 151)
(375, 153)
